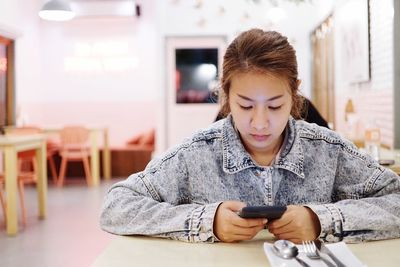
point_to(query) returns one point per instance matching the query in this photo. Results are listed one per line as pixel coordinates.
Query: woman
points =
(258, 155)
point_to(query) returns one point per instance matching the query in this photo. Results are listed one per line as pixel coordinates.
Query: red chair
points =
(74, 147)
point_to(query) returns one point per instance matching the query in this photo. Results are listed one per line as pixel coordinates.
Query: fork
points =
(312, 252)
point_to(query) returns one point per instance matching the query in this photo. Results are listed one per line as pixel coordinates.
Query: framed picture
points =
(196, 75)
(193, 66)
(353, 22)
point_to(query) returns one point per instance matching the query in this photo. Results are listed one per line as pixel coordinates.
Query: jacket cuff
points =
(331, 222)
(201, 224)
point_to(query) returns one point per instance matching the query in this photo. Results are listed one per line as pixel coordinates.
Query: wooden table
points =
(11, 145)
(155, 252)
(94, 155)
(392, 154)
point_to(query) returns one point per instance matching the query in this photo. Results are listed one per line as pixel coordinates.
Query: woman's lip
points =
(260, 137)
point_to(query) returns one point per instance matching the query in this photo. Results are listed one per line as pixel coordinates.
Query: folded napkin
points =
(340, 250)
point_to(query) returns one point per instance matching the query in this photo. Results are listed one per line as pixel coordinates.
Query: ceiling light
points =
(56, 10)
(276, 14)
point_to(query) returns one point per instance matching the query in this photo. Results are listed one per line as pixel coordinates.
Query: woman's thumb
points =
(234, 205)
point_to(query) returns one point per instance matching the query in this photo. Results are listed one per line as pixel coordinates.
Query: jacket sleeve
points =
(156, 202)
(366, 201)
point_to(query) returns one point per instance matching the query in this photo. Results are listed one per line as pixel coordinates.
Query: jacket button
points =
(330, 238)
(203, 236)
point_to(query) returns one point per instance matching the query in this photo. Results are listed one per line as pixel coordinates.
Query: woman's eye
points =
(275, 108)
(245, 107)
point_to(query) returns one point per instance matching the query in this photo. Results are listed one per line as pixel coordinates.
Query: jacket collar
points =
(236, 158)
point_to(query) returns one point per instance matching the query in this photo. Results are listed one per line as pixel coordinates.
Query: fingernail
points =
(265, 221)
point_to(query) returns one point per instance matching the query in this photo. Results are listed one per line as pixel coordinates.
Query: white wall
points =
(184, 18)
(373, 99)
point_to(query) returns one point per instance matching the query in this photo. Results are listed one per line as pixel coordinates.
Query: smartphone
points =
(268, 212)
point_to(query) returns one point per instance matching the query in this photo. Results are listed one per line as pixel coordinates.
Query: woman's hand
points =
(298, 223)
(230, 227)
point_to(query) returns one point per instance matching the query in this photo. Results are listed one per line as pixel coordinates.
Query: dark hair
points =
(261, 51)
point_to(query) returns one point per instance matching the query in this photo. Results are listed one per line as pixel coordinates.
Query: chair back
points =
(74, 136)
(74, 147)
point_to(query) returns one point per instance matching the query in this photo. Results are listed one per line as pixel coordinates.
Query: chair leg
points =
(35, 170)
(3, 203)
(63, 167)
(53, 169)
(22, 201)
(20, 164)
(87, 170)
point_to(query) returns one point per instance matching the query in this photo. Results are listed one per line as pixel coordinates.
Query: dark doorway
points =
(7, 106)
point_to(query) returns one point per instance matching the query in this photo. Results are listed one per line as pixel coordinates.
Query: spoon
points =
(288, 250)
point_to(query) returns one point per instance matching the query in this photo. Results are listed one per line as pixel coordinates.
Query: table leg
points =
(94, 159)
(106, 157)
(10, 158)
(41, 160)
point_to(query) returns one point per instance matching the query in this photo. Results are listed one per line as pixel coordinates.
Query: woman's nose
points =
(259, 119)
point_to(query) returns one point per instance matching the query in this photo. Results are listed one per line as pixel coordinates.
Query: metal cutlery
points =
(288, 250)
(324, 249)
(312, 252)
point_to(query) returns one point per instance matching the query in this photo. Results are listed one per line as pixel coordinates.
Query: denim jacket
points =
(177, 195)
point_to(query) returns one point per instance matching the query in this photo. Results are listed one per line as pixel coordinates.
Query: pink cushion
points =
(147, 138)
(135, 140)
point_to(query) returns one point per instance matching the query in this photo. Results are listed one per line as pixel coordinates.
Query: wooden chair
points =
(74, 147)
(23, 178)
(28, 157)
(27, 166)
(2, 200)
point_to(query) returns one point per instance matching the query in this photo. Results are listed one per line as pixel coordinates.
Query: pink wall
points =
(123, 119)
(100, 71)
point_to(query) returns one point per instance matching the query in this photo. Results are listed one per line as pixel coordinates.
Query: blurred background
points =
(142, 75)
(110, 65)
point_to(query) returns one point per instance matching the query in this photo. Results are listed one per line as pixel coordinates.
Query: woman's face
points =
(260, 106)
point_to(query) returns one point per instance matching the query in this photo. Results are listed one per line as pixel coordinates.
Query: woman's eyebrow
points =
(249, 99)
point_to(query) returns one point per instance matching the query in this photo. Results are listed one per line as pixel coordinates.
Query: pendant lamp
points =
(56, 10)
